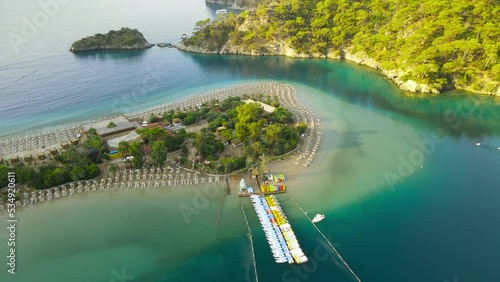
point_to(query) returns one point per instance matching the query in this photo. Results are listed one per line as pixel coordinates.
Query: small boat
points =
(498, 148)
(221, 11)
(183, 36)
(317, 218)
(478, 144)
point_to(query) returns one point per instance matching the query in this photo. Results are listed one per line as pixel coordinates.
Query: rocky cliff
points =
(416, 48)
(281, 48)
(195, 49)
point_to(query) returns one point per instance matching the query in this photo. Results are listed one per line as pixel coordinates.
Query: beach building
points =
(121, 127)
(154, 125)
(129, 137)
(174, 128)
(267, 108)
(123, 130)
(14, 159)
(177, 121)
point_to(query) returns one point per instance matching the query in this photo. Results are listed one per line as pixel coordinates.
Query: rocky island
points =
(123, 39)
(422, 46)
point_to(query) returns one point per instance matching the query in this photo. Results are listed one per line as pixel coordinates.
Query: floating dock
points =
(273, 188)
(279, 233)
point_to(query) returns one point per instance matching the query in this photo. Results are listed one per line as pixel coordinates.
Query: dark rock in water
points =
(164, 45)
(123, 39)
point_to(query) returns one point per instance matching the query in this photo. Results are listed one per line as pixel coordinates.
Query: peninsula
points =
(241, 129)
(123, 39)
(423, 46)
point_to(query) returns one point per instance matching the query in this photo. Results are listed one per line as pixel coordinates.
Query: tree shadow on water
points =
(99, 55)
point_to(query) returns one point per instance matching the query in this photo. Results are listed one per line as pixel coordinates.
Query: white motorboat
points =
(318, 217)
(221, 11)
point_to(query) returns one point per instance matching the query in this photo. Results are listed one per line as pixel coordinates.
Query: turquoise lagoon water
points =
(438, 222)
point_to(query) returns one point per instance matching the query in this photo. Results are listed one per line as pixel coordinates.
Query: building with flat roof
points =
(131, 136)
(104, 123)
(267, 108)
(119, 128)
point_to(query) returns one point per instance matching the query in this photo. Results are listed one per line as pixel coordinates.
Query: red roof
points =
(153, 125)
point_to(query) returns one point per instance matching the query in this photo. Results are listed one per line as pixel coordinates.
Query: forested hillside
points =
(440, 44)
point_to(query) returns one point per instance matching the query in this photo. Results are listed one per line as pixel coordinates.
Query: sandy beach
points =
(289, 164)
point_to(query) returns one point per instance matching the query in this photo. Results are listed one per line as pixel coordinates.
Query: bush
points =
(301, 128)
(191, 117)
(153, 118)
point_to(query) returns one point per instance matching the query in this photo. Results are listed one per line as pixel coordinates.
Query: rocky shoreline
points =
(107, 48)
(281, 49)
(393, 75)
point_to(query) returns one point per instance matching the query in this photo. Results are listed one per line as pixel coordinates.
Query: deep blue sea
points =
(407, 194)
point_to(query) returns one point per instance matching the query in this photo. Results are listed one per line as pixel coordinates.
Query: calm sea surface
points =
(406, 193)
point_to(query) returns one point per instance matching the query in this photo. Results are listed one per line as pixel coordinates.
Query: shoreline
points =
(394, 76)
(111, 48)
(164, 177)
